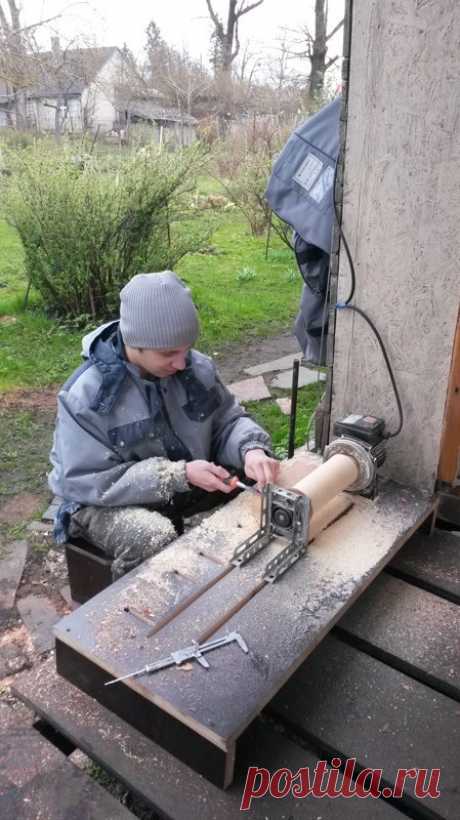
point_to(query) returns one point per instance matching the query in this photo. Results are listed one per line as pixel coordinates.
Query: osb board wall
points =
(401, 215)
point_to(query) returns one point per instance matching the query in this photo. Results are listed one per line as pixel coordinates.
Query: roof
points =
(150, 110)
(69, 71)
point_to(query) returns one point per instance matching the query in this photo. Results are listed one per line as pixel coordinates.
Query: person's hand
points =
(209, 476)
(260, 467)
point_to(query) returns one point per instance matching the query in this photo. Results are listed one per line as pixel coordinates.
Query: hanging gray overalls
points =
(300, 191)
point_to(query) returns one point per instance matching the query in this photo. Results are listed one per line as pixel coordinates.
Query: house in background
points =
(73, 89)
(6, 103)
(89, 89)
(170, 125)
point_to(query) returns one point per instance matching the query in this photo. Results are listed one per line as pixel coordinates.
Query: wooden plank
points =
(450, 442)
(352, 704)
(208, 759)
(65, 793)
(412, 629)
(449, 507)
(432, 562)
(168, 785)
(282, 624)
(24, 754)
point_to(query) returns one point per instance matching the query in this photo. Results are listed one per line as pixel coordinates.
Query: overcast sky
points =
(182, 22)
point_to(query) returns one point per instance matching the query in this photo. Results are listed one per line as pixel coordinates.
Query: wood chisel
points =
(236, 483)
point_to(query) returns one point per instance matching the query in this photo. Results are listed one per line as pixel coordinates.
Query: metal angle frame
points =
(284, 513)
(297, 545)
(259, 539)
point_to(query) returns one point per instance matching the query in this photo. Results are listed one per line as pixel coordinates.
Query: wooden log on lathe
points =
(328, 480)
(324, 483)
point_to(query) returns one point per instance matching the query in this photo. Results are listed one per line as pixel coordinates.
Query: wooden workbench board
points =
(282, 624)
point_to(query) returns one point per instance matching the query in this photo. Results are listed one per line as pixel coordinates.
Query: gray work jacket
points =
(300, 189)
(121, 439)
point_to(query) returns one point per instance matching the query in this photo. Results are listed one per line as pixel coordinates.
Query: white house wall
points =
(74, 120)
(42, 114)
(98, 98)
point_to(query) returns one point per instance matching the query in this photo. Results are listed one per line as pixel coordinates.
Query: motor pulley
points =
(363, 439)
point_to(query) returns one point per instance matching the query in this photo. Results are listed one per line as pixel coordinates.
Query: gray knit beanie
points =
(157, 312)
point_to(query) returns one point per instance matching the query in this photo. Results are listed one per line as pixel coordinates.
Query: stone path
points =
(278, 373)
(13, 558)
(250, 389)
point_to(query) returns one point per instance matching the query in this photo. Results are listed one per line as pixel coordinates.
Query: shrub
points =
(243, 163)
(89, 223)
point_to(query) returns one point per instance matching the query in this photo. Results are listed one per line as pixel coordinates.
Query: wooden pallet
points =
(343, 701)
(173, 789)
(201, 716)
(37, 781)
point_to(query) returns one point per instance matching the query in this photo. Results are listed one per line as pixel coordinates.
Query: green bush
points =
(243, 164)
(88, 223)
(246, 188)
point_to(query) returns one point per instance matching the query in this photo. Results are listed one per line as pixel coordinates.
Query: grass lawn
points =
(240, 296)
(239, 293)
(24, 448)
(268, 414)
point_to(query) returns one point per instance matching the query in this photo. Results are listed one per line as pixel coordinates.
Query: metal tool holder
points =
(284, 513)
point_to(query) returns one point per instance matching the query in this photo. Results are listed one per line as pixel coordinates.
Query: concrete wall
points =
(401, 215)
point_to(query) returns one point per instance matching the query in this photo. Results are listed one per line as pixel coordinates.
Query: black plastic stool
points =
(90, 569)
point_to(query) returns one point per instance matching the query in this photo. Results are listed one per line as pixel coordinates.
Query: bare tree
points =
(226, 37)
(282, 69)
(13, 60)
(187, 79)
(225, 48)
(179, 78)
(314, 47)
(16, 69)
(318, 48)
(248, 66)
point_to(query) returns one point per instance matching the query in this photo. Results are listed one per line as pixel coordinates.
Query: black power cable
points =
(343, 237)
(346, 306)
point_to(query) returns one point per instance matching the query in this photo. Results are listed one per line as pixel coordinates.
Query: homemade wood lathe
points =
(233, 586)
(246, 570)
(243, 592)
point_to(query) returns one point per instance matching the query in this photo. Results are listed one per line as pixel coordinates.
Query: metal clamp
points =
(258, 540)
(284, 513)
(298, 534)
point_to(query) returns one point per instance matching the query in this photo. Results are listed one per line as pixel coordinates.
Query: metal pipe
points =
(293, 414)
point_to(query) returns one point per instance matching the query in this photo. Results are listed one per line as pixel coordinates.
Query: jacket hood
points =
(101, 348)
(91, 341)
